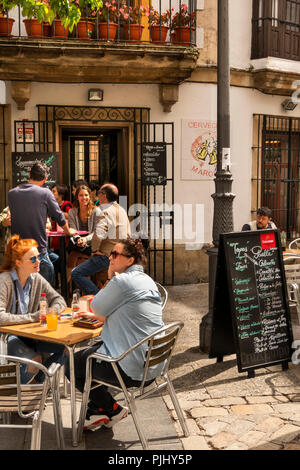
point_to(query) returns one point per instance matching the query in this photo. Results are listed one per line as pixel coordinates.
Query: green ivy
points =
(68, 11)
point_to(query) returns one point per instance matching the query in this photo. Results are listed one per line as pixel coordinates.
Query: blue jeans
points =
(29, 349)
(90, 267)
(54, 258)
(46, 268)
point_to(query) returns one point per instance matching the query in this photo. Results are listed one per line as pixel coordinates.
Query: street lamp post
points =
(223, 197)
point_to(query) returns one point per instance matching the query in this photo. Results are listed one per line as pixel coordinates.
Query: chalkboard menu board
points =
(251, 314)
(154, 165)
(23, 161)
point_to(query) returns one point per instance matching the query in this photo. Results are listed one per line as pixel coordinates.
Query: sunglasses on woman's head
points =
(114, 254)
(33, 259)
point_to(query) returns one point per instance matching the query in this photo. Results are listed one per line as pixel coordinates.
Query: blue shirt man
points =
(131, 305)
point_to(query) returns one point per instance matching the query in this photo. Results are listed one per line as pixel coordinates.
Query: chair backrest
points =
(161, 346)
(292, 271)
(295, 243)
(17, 397)
(164, 294)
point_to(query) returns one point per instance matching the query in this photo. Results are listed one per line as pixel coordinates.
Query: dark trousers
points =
(100, 396)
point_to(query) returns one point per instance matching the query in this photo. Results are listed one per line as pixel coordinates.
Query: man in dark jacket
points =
(30, 204)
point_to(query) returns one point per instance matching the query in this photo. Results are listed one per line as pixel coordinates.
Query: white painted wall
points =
(2, 92)
(240, 33)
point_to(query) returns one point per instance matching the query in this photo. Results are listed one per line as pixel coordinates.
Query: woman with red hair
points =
(21, 286)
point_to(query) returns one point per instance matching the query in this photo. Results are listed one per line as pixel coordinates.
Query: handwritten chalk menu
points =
(23, 161)
(154, 166)
(251, 314)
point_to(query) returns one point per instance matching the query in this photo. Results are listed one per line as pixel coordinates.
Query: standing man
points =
(30, 204)
(112, 226)
(263, 221)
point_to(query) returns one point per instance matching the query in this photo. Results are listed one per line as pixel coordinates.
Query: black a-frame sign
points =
(251, 316)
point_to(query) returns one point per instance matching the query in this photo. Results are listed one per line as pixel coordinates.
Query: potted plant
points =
(86, 23)
(158, 24)
(6, 23)
(131, 18)
(108, 20)
(183, 25)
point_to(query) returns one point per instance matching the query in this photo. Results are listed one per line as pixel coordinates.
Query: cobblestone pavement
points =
(224, 408)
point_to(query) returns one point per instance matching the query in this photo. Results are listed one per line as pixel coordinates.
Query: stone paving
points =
(224, 408)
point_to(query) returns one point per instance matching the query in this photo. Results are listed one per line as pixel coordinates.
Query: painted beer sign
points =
(199, 149)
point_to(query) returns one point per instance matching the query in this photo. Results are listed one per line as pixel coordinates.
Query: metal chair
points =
(164, 294)
(160, 347)
(292, 274)
(296, 241)
(29, 400)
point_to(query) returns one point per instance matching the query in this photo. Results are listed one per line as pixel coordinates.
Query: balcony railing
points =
(276, 29)
(173, 25)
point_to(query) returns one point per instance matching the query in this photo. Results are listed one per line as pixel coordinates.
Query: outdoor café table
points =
(66, 334)
(63, 260)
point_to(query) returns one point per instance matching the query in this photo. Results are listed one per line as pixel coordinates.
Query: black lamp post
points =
(223, 197)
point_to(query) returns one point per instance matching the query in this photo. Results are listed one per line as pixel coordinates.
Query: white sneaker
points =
(119, 413)
(95, 421)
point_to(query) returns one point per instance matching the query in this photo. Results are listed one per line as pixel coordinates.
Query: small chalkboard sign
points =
(154, 165)
(23, 161)
(251, 314)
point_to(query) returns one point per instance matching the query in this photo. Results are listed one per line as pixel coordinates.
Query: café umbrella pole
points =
(223, 197)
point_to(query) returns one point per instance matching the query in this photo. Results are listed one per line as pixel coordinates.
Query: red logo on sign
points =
(267, 240)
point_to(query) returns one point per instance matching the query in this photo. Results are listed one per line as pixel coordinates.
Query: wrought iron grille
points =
(276, 170)
(276, 29)
(50, 113)
(5, 163)
(157, 211)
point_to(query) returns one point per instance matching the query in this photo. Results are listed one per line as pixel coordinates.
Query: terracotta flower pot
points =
(85, 29)
(183, 35)
(133, 32)
(46, 30)
(33, 28)
(158, 33)
(107, 31)
(58, 30)
(6, 25)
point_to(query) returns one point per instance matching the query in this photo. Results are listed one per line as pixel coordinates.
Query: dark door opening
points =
(96, 155)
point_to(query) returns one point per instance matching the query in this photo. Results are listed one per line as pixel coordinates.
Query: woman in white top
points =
(82, 217)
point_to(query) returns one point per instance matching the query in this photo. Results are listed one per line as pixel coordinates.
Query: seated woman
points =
(130, 306)
(82, 217)
(60, 192)
(21, 288)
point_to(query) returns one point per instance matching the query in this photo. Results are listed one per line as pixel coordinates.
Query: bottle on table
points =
(75, 304)
(43, 309)
(283, 239)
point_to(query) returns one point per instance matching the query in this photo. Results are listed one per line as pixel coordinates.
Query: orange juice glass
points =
(52, 319)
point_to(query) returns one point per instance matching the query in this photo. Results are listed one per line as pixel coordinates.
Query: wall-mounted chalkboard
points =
(154, 163)
(23, 161)
(251, 314)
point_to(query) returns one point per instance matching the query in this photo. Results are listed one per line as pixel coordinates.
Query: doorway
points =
(95, 155)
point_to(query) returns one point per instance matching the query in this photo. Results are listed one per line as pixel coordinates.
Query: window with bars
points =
(276, 170)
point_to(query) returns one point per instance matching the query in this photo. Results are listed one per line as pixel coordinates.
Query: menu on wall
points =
(23, 161)
(251, 266)
(154, 165)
